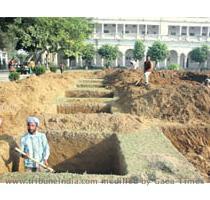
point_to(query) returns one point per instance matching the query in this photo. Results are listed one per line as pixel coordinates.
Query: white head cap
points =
(33, 120)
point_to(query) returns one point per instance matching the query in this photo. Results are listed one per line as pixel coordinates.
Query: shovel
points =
(36, 161)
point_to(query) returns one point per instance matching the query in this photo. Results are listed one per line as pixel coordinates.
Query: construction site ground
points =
(102, 126)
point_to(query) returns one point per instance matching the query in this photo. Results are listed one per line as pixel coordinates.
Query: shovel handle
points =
(36, 161)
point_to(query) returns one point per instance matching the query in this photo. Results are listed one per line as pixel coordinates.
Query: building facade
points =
(181, 35)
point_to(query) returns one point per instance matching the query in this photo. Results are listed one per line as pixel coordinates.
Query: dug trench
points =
(86, 153)
(87, 139)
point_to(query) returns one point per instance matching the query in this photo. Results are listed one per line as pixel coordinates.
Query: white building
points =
(181, 35)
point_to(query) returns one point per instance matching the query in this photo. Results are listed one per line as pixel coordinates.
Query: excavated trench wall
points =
(84, 108)
(85, 153)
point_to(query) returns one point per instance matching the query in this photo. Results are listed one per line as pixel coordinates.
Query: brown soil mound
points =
(193, 143)
(173, 95)
(32, 96)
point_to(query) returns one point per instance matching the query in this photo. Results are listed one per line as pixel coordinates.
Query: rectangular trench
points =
(78, 153)
(89, 93)
(73, 108)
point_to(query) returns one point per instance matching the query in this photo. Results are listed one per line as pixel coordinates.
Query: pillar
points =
(180, 31)
(187, 31)
(56, 59)
(77, 61)
(158, 64)
(165, 63)
(68, 62)
(178, 59)
(116, 62)
(205, 64)
(207, 31)
(81, 62)
(145, 29)
(94, 31)
(145, 53)
(102, 62)
(137, 36)
(102, 30)
(94, 60)
(116, 30)
(185, 62)
(123, 30)
(123, 59)
(201, 31)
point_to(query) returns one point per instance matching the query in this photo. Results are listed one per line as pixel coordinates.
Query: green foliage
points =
(158, 51)
(13, 76)
(173, 67)
(139, 49)
(88, 53)
(7, 37)
(109, 53)
(53, 68)
(39, 34)
(38, 70)
(5, 23)
(200, 54)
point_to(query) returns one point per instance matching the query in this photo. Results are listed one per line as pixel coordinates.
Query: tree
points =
(50, 34)
(200, 54)
(88, 53)
(7, 37)
(158, 52)
(73, 33)
(109, 53)
(139, 49)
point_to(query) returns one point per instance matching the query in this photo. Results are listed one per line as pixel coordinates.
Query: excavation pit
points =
(84, 108)
(85, 100)
(92, 80)
(89, 93)
(85, 153)
(92, 85)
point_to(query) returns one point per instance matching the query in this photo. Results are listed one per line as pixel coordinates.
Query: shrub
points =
(13, 76)
(174, 67)
(53, 68)
(39, 70)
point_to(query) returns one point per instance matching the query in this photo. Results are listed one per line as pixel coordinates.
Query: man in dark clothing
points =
(148, 67)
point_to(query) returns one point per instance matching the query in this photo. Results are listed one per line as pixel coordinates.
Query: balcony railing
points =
(151, 37)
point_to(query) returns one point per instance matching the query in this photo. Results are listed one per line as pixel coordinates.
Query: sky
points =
(106, 8)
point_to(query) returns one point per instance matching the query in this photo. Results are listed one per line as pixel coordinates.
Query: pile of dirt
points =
(32, 96)
(176, 101)
(124, 77)
(193, 143)
(173, 95)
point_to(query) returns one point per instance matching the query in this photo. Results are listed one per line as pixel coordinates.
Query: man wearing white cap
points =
(35, 145)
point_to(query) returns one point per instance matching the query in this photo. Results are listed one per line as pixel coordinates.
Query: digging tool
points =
(36, 161)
